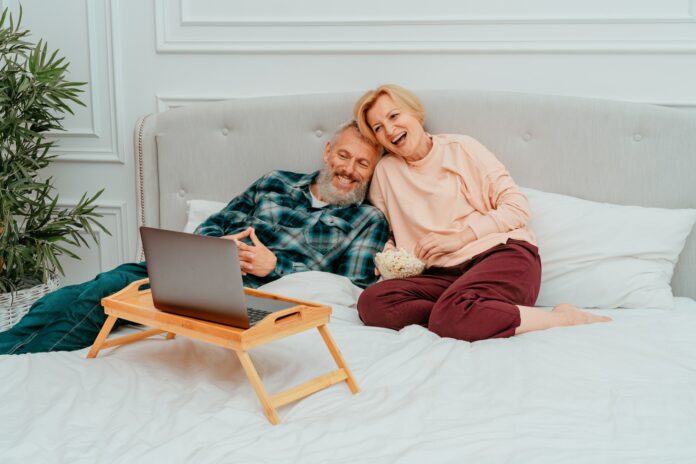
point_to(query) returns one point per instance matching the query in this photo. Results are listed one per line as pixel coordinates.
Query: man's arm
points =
(357, 262)
(229, 219)
(255, 259)
(259, 260)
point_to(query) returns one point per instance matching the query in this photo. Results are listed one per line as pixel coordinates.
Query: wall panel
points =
(473, 26)
(111, 250)
(91, 133)
(145, 56)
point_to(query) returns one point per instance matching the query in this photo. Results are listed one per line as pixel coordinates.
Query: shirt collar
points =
(307, 179)
(304, 183)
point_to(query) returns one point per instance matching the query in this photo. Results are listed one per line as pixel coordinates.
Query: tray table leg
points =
(258, 387)
(331, 345)
(103, 333)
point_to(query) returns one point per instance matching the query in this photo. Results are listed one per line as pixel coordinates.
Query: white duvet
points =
(606, 393)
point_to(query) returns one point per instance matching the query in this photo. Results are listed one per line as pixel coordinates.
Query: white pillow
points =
(199, 210)
(321, 287)
(600, 255)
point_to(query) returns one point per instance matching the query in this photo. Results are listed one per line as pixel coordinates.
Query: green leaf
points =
(35, 96)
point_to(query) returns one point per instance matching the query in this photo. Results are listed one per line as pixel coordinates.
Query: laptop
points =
(199, 276)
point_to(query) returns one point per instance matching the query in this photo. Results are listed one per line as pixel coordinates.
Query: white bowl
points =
(394, 264)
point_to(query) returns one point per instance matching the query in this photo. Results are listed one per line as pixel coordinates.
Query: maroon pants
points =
(472, 301)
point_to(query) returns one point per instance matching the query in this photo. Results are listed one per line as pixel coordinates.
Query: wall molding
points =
(689, 16)
(168, 102)
(452, 47)
(179, 32)
(165, 103)
(101, 88)
(93, 131)
(109, 153)
(117, 210)
(121, 136)
(425, 21)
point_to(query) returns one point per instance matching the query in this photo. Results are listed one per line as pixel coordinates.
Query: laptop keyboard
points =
(255, 315)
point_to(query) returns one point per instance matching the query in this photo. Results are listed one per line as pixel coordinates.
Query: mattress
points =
(624, 391)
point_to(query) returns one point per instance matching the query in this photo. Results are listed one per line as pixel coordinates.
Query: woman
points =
(454, 205)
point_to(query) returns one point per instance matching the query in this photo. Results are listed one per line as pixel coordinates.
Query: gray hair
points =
(351, 124)
(323, 181)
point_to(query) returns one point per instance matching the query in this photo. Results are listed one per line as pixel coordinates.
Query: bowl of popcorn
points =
(393, 264)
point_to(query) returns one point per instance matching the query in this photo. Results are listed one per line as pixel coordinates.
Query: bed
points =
(624, 391)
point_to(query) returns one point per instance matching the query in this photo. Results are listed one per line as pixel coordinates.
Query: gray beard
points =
(329, 194)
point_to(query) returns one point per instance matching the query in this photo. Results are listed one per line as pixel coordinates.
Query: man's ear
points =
(327, 150)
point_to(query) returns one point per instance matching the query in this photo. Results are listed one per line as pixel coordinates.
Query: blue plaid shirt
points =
(338, 239)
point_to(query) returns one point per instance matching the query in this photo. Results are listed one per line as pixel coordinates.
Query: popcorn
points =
(398, 263)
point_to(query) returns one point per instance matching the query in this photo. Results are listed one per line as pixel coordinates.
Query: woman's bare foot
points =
(562, 315)
(571, 315)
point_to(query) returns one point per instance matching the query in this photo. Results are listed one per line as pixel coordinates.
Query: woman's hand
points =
(435, 244)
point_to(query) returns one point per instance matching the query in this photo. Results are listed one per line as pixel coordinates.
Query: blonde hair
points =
(406, 100)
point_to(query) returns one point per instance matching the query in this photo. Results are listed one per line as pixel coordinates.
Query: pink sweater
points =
(459, 184)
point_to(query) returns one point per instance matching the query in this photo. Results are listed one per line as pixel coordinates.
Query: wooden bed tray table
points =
(135, 305)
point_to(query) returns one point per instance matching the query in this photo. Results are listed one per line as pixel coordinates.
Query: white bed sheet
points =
(605, 393)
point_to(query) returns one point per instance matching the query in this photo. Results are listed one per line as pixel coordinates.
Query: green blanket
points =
(69, 318)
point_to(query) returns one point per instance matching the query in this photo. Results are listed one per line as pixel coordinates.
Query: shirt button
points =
(637, 137)
(182, 193)
(319, 133)
(225, 131)
(527, 137)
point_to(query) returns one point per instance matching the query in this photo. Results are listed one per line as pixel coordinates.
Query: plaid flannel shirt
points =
(338, 239)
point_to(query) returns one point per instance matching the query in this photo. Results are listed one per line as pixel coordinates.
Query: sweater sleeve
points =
(509, 207)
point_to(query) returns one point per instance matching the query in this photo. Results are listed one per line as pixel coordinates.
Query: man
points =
(284, 223)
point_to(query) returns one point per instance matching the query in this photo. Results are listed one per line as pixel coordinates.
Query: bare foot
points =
(571, 315)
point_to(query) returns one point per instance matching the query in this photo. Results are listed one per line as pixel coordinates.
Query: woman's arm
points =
(509, 208)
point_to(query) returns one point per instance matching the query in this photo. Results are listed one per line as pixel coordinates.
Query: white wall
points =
(143, 56)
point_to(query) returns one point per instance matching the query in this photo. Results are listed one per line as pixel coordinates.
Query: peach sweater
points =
(459, 184)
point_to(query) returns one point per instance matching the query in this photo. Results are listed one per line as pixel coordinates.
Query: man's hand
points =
(435, 244)
(255, 259)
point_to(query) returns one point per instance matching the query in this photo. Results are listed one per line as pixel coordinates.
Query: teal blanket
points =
(69, 318)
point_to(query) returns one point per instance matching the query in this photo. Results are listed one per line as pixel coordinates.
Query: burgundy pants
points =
(472, 301)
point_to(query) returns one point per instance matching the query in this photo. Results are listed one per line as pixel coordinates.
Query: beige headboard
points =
(616, 152)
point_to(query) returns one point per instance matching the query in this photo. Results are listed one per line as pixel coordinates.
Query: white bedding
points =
(606, 393)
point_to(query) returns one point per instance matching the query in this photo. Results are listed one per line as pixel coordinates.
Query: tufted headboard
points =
(625, 153)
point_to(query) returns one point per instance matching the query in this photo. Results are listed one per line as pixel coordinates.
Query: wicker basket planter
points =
(14, 306)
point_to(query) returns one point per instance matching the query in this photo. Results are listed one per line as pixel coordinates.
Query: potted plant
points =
(34, 230)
